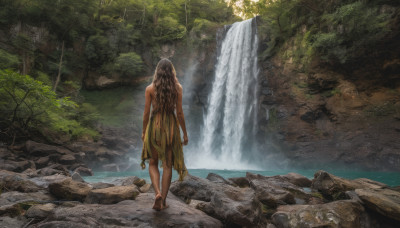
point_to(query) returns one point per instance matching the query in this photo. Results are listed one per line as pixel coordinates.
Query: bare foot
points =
(165, 205)
(158, 202)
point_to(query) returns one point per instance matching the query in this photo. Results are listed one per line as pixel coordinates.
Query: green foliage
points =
(99, 51)
(27, 104)
(44, 78)
(128, 64)
(169, 29)
(8, 61)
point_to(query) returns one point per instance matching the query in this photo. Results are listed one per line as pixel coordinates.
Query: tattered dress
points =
(162, 134)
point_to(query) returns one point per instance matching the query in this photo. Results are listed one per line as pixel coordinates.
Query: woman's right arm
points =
(146, 113)
(181, 117)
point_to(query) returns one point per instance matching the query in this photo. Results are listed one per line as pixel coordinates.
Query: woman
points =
(161, 136)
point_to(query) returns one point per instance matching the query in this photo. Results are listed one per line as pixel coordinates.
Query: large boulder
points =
(343, 213)
(276, 190)
(235, 206)
(10, 181)
(333, 187)
(383, 201)
(298, 180)
(112, 194)
(130, 213)
(68, 189)
(218, 179)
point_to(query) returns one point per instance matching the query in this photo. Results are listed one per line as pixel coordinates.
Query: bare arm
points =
(146, 113)
(181, 117)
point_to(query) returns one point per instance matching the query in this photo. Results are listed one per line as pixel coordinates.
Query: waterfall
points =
(231, 114)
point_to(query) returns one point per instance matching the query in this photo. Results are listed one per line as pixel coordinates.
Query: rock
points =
(101, 185)
(334, 187)
(84, 171)
(11, 210)
(15, 166)
(7, 222)
(383, 201)
(9, 198)
(125, 181)
(276, 190)
(77, 177)
(235, 206)
(343, 213)
(112, 194)
(17, 182)
(240, 181)
(41, 150)
(69, 190)
(298, 180)
(40, 211)
(130, 213)
(145, 188)
(50, 171)
(67, 159)
(30, 173)
(42, 162)
(218, 179)
(44, 181)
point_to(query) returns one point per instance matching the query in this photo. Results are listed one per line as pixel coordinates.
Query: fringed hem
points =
(163, 133)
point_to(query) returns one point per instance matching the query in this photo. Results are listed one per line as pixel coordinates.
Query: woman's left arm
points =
(146, 113)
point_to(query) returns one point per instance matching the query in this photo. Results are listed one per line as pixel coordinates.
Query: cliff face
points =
(334, 113)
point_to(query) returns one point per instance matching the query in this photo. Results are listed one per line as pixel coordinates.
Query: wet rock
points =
(69, 190)
(77, 177)
(112, 194)
(242, 182)
(298, 179)
(383, 201)
(16, 182)
(334, 187)
(40, 211)
(130, 213)
(276, 190)
(235, 206)
(218, 179)
(343, 213)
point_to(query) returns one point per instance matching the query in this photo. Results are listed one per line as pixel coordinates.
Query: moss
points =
(317, 195)
(267, 210)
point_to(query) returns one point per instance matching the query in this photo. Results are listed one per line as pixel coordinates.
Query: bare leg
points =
(155, 180)
(166, 177)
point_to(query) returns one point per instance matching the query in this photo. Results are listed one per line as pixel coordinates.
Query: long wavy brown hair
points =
(165, 83)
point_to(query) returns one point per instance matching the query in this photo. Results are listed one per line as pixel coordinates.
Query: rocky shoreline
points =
(35, 198)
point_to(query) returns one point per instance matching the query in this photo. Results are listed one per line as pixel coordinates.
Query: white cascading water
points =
(230, 119)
